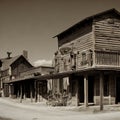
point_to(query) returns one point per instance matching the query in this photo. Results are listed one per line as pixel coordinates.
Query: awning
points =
(65, 74)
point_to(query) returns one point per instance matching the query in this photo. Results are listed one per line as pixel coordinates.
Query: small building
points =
(88, 60)
(19, 79)
(31, 85)
(11, 67)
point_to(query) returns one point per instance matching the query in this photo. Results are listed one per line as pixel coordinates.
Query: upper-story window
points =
(73, 60)
(84, 56)
(84, 59)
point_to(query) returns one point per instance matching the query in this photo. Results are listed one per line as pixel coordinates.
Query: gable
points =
(20, 65)
(6, 63)
(112, 13)
(20, 60)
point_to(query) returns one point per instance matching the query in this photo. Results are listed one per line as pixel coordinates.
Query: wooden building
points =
(88, 59)
(87, 63)
(22, 80)
(11, 68)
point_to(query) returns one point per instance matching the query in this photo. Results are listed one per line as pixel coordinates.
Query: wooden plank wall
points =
(107, 34)
(74, 33)
(107, 40)
(79, 45)
(19, 66)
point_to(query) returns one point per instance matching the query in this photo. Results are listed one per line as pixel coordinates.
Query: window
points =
(84, 59)
(83, 56)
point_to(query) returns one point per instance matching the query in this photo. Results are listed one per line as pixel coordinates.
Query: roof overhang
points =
(90, 18)
(66, 74)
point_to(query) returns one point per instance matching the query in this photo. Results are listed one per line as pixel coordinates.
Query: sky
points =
(31, 24)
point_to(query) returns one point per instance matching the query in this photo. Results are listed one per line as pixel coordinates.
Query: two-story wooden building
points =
(88, 59)
(11, 68)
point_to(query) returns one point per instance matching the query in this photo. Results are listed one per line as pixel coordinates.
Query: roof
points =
(7, 62)
(90, 18)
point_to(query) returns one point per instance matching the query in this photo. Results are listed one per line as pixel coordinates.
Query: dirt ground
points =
(11, 109)
(1, 118)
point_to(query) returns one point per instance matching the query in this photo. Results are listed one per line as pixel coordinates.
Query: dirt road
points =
(18, 111)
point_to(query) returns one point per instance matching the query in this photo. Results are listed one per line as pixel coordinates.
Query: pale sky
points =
(31, 24)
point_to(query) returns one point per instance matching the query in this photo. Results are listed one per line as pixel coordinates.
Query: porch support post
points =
(31, 93)
(77, 100)
(18, 92)
(58, 85)
(35, 90)
(24, 91)
(101, 91)
(86, 90)
(21, 94)
(10, 90)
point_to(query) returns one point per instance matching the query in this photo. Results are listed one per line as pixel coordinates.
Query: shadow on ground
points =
(1, 118)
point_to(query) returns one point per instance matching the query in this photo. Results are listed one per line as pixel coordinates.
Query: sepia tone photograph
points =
(59, 59)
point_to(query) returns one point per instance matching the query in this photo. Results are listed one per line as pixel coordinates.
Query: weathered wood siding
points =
(107, 40)
(79, 41)
(74, 33)
(19, 66)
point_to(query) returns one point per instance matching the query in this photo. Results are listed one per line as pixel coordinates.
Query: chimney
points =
(9, 53)
(25, 54)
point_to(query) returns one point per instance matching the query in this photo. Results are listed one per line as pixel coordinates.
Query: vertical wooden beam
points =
(77, 88)
(95, 89)
(39, 91)
(110, 88)
(10, 90)
(18, 93)
(21, 93)
(115, 89)
(24, 91)
(35, 90)
(58, 85)
(31, 93)
(86, 90)
(101, 91)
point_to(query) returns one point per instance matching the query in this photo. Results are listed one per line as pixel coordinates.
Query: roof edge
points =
(89, 18)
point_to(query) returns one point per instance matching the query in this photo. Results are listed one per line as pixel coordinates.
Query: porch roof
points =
(66, 74)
